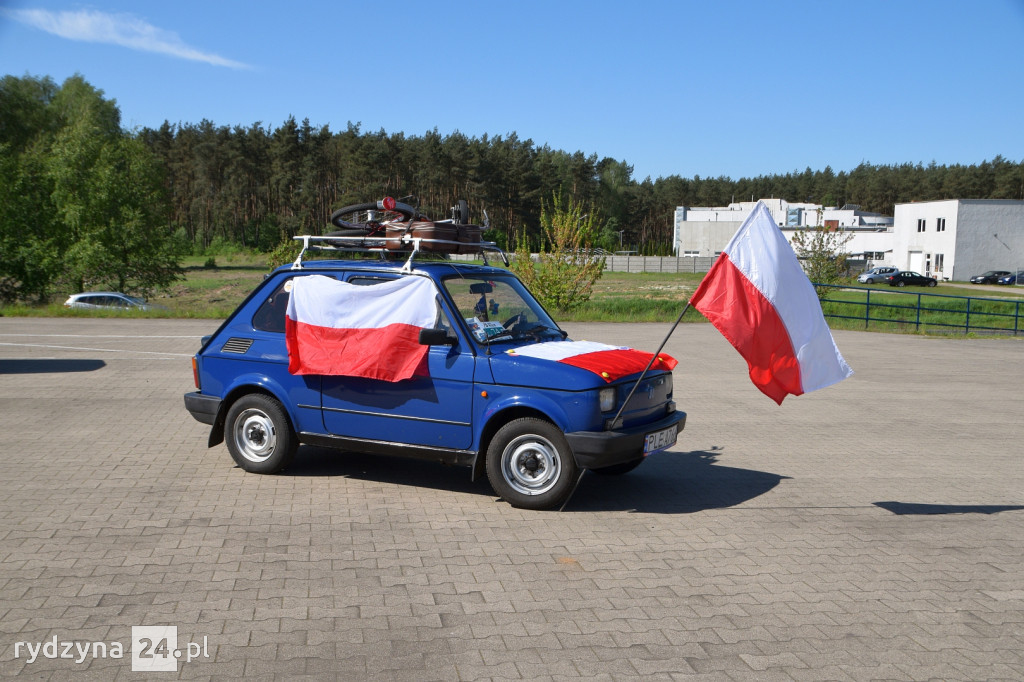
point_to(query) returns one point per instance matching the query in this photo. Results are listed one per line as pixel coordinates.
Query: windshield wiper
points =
(536, 331)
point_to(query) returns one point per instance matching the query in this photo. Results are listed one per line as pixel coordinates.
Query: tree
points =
(81, 200)
(822, 253)
(107, 193)
(565, 275)
(28, 238)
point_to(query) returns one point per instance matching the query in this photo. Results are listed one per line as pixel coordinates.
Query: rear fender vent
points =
(236, 345)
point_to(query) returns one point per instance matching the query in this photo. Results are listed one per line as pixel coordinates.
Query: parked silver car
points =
(108, 300)
(877, 275)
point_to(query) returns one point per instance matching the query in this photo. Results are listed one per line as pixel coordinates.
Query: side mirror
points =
(437, 337)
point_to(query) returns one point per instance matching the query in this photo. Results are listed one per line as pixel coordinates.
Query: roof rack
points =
(394, 245)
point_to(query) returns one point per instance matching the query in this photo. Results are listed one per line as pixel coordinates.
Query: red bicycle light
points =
(388, 204)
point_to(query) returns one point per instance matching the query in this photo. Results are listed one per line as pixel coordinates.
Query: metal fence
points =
(934, 313)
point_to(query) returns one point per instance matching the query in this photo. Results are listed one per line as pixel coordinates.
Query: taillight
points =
(195, 371)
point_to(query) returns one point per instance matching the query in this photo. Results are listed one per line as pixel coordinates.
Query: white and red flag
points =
(336, 328)
(609, 362)
(759, 298)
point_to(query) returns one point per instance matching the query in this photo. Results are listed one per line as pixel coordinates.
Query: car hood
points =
(520, 370)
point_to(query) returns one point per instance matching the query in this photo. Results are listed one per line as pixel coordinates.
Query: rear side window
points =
(270, 316)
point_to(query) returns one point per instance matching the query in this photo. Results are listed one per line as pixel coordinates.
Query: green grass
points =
(214, 292)
(925, 311)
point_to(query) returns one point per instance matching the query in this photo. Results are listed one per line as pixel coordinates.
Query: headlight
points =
(606, 398)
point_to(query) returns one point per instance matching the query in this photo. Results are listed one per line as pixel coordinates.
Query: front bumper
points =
(598, 449)
(204, 408)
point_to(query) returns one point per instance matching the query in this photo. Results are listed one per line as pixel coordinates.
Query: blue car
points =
(1011, 278)
(495, 389)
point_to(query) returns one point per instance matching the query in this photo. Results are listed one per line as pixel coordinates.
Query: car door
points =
(433, 410)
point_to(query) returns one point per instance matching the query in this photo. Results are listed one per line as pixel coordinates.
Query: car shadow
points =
(914, 508)
(673, 483)
(49, 366)
(317, 461)
(667, 483)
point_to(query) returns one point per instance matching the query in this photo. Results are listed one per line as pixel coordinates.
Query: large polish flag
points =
(336, 328)
(608, 362)
(759, 298)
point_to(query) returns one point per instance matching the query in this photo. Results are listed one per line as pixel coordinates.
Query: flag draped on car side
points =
(609, 362)
(336, 328)
(759, 298)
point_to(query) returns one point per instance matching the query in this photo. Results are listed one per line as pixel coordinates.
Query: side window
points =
(270, 316)
(365, 280)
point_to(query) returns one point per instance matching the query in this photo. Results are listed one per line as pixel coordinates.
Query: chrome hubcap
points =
(255, 435)
(531, 465)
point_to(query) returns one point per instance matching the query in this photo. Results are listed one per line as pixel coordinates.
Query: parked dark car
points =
(1012, 278)
(905, 277)
(990, 277)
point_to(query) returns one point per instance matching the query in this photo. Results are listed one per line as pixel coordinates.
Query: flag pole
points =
(614, 423)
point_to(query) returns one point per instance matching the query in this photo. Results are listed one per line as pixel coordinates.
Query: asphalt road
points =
(871, 530)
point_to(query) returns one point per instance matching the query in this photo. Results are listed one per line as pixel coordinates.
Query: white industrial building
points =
(958, 238)
(952, 239)
(706, 231)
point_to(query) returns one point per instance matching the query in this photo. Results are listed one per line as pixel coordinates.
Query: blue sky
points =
(721, 88)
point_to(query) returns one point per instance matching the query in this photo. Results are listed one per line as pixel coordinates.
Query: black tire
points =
(619, 469)
(259, 435)
(931, 284)
(530, 465)
(406, 211)
(901, 283)
(463, 213)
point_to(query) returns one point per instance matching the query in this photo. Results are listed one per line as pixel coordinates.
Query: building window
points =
(938, 261)
(920, 224)
(940, 225)
(691, 254)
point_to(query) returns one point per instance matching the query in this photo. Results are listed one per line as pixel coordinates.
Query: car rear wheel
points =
(259, 436)
(530, 465)
(901, 283)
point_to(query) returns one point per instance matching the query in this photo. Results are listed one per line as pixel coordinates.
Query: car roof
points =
(99, 293)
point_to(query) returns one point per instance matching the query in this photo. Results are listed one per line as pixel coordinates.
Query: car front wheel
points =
(258, 434)
(530, 465)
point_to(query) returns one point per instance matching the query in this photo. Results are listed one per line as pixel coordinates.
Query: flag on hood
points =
(609, 362)
(759, 298)
(336, 328)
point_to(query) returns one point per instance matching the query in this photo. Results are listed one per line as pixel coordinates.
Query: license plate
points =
(659, 440)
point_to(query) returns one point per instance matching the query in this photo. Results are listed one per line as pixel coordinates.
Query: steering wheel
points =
(517, 320)
(354, 227)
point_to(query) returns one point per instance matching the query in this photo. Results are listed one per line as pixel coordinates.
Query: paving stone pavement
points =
(871, 530)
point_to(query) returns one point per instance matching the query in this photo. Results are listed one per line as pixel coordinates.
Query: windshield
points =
(500, 310)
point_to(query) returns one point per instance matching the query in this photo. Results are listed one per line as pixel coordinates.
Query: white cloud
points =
(116, 29)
